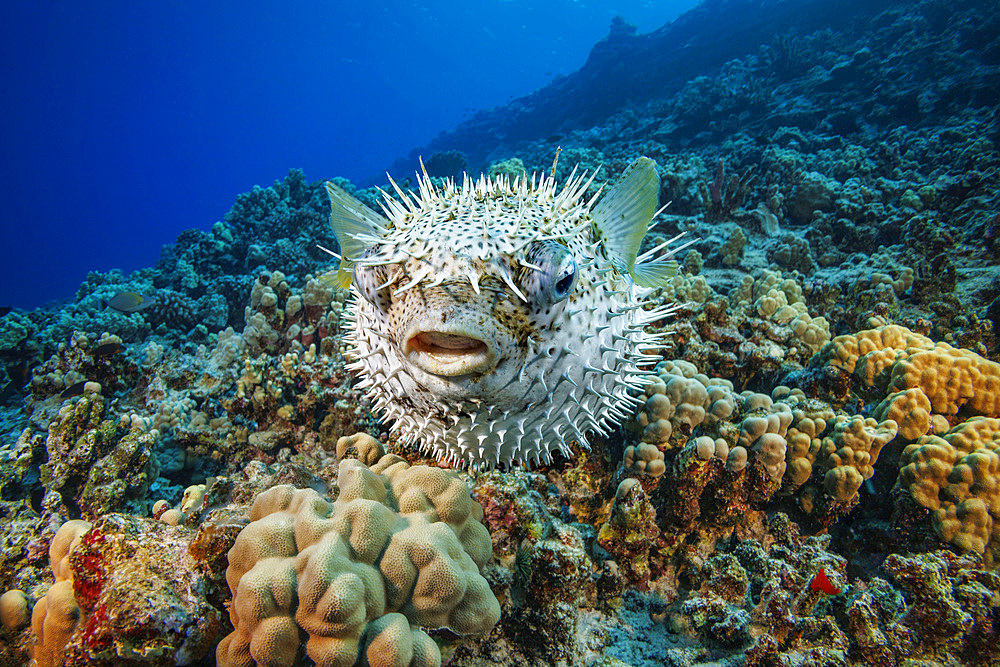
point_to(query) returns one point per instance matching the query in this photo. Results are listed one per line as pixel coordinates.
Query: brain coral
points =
(928, 384)
(56, 615)
(957, 477)
(401, 548)
(678, 400)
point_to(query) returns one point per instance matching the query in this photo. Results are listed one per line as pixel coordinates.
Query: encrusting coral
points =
(400, 549)
(55, 616)
(957, 477)
(127, 589)
(872, 222)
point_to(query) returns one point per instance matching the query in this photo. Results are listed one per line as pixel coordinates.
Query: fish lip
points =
(449, 352)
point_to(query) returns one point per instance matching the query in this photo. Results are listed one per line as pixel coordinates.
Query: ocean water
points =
(718, 385)
(129, 123)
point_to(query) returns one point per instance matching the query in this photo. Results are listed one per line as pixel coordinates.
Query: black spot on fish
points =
(107, 349)
(73, 390)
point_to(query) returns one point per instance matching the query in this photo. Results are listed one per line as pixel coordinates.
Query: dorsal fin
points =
(351, 219)
(622, 217)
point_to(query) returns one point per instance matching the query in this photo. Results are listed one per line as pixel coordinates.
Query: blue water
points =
(124, 123)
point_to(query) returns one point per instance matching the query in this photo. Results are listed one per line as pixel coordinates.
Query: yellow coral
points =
(849, 454)
(927, 379)
(809, 420)
(957, 477)
(845, 351)
(55, 616)
(910, 409)
(953, 379)
(401, 546)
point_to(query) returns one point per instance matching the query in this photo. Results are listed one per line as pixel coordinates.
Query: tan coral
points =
(679, 400)
(53, 621)
(398, 540)
(368, 449)
(173, 517)
(810, 419)
(953, 379)
(849, 453)
(158, 508)
(392, 635)
(685, 287)
(814, 332)
(957, 477)
(906, 364)
(55, 616)
(763, 434)
(781, 301)
(910, 409)
(644, 458)
(66, 539)
(845, 351)
(14, 610)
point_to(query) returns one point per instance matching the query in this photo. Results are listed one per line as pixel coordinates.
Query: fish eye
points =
(555, 277)
(565, 278)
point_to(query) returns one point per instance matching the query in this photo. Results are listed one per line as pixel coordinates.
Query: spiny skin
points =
(489, 322)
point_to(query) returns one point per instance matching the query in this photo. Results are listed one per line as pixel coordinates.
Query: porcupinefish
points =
(499, 320)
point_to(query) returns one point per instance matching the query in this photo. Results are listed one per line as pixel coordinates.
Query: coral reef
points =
(810, 475)
(401, 548)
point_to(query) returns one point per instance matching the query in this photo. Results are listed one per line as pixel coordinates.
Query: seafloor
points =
(815, 479)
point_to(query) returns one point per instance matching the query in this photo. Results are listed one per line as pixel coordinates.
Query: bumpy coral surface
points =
(809, 476)
(126, 590)
(401, 549)
(957, 477)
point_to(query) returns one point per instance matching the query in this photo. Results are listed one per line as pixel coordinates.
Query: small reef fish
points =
(129, 302)
(107, 349)
(499, 320)
(73, 390)
(820, 582)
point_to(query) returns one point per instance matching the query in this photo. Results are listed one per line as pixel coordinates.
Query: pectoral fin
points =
(655, 273)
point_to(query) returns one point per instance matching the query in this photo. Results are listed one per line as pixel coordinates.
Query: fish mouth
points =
(450, 353)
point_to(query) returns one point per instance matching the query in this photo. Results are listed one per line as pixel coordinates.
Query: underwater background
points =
(152, 117)
(812, 477)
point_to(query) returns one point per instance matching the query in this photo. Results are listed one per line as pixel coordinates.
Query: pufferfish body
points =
(497, 321)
